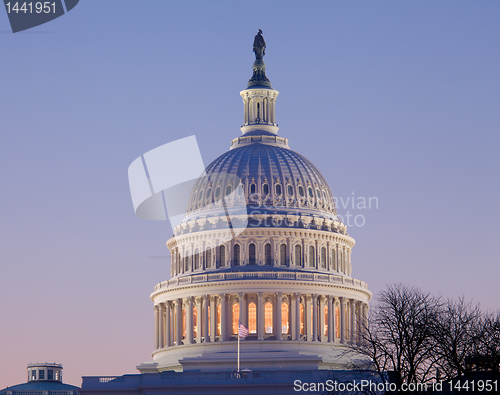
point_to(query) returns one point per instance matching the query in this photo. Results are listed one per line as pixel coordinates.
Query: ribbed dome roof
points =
(271, 177)
(41, 386)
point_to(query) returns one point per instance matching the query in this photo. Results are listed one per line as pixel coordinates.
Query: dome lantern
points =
(259, 98)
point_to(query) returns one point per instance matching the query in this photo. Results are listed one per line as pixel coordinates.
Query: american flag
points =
(242, 331)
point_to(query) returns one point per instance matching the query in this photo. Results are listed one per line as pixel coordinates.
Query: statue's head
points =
(260, 31)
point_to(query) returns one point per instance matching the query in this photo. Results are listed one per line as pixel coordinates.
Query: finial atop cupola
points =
(259, 98)
(259, 78)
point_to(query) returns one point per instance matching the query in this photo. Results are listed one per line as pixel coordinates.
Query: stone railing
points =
(313, 277)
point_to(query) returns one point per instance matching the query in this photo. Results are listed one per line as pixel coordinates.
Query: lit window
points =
(252, 318)
(268, 317)
(283, 254)
(195, 321)
(278, 190)
(290, 190)
(302, 319)
(209, 325)
(236, 255)
(251, 254)
(325, 314)
(236, 318)
(285, 328)
(218, 319)
(33, 375)
(265, 189)
(183, 323)
(267, 253)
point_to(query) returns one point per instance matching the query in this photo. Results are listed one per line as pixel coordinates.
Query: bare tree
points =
(486, 354)
(456, 334)
(398, 337)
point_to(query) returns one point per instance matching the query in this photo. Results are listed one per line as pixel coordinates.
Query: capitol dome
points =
(261, 244)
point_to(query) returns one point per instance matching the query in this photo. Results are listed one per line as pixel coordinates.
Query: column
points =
(336, 319)
(322, 318)
(307, 314)
(223, 317)
(296, 322)
(331, 332)
(206, 300)
(315, 318)
(353, 320)
(168, 325)
(278, 327)
(213, 317)
(161, 327)
(243, 309)
(260, 316)
(342, 320)
(365, 318)
(157, 318)
(199, 313)
(189, 321)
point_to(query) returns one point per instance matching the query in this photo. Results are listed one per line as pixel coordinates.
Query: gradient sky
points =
(389, 99)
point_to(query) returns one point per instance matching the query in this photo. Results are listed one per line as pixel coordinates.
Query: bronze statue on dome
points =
(259, 45)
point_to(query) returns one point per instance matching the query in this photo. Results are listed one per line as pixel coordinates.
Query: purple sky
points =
(394, 100)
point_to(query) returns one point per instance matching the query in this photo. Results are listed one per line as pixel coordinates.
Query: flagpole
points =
(238, 351)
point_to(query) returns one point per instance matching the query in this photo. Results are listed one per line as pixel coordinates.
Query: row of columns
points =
(345, 316)
(338, 256)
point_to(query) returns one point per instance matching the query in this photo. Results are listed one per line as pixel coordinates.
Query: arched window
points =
(236, 255)
(251, 254)
(267, 254)
(325, 315)
(268, 317)
(252, 318)
(283, 254)
(298, 255)
(196, 259)
(218, 319)
(301, 191)
(236, 318)
(222, 255)
(310, 191)
(337, 322)
(195, 321)
(209, 257)
(228, 190)
(324, 194)
(290, 190)
(323, 257)
(265, 189)
(312, 257)
(278, 190)
(318, 194)
(217, 192)
(302, 326)
(200, 194)
(209, 193)
(252, 189)
(285, 322)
